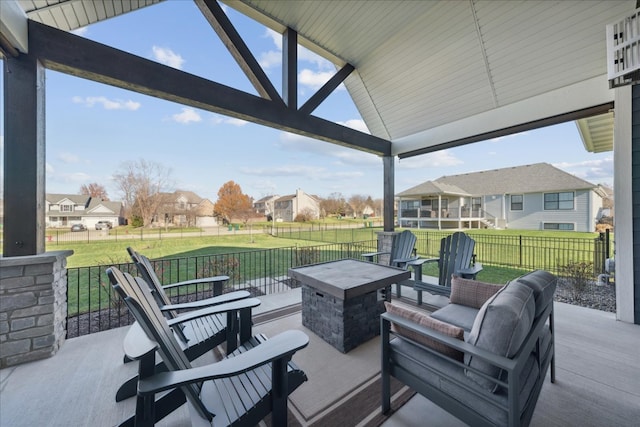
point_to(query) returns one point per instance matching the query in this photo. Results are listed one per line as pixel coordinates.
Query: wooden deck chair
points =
(402, 254)
(456, 257)
(242, 389)
(197, 335)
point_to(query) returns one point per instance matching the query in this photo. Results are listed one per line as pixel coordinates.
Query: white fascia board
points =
(13, 25)
(578, 96)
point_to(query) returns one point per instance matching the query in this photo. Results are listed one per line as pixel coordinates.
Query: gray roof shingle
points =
(533, 178)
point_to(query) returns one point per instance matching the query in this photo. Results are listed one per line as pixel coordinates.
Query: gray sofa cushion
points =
(501, 326)
(456, 314)
(543, 284)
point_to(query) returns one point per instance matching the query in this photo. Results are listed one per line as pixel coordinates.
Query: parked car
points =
(78, 227)
(103, 225)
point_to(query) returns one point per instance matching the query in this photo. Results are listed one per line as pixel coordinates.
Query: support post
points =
(388, 189)
(24, 156)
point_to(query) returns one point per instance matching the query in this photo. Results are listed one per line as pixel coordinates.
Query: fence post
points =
(520, 263)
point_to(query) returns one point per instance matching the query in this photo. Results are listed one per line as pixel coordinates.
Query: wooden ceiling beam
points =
(75, 55)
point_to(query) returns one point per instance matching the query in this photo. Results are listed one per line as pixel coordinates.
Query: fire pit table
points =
(341, 302)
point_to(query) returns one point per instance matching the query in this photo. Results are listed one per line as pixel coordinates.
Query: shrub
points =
(578, 275)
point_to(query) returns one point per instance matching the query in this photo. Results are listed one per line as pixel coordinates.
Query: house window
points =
(561, 226)
(476, 203)
(66, 208)
(410, 204)
(558, 201)
(516, 202)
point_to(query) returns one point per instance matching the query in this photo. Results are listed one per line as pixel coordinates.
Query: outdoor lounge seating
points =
(456, 257)
(205, 333)
(402, 255)
(197, 334)
(483, 357)
(241, 389)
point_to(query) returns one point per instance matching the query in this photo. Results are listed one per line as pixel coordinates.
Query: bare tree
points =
(335, 204)
(141, 183)
(94, 190)
(358, 202)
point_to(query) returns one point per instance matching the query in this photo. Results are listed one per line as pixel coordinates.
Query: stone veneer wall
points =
(385, 243)
(33, 306)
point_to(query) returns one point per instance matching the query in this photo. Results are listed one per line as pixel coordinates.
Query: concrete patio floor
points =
(598, 379)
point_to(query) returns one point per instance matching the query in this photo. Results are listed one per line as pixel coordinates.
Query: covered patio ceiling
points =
(427, 74)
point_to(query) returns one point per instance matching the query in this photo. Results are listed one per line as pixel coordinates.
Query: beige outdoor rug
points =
(342, 389)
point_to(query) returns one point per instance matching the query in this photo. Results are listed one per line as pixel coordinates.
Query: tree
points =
(233, 204)
(94, 190)
(335, 204)
(141, 183)
(358, 202)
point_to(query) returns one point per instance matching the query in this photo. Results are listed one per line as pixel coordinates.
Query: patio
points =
(597, 382)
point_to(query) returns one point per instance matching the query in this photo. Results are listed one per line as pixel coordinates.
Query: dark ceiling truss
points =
(290, 68)
(238, 49)
(220, 22)
(65, 52)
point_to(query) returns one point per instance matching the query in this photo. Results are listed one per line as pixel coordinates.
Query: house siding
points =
(635, 197)
(533, 216)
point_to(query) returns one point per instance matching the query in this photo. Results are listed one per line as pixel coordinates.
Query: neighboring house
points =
(531, 197)
(64, 210)
(265, 205)
(185, 208)
(287, 208)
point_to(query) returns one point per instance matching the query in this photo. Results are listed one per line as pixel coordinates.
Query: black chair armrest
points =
(246, 303)
(222, 299)
(281, 346)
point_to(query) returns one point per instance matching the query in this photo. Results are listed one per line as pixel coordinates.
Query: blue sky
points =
(93, 128)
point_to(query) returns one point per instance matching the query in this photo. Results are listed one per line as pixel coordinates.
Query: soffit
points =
(69, 15)
(431, 72)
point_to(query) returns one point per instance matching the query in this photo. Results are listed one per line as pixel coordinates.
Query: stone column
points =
(33, 306)
(385, 243)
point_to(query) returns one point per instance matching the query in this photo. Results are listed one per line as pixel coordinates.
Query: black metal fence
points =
(92, 306)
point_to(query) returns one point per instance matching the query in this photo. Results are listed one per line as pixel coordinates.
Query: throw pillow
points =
(425, 320)
(471, 293)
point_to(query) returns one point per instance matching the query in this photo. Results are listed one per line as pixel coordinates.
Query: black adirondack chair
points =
(402, 255)
(456, 257)
(242, 389)
(196, 334)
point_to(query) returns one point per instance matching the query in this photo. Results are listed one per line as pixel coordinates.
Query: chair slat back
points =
(402, 246)
(145, 268)
(456, 252)
(136, 295)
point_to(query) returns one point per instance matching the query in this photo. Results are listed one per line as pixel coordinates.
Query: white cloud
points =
(441, 158)
(68, 158)
(294, 142)
(595, 171)
(235, 122)
(270, 59)
(314, 79)
(107, 104)
(273, 58)
(357, 124)
(188, 115)
(167, 57)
